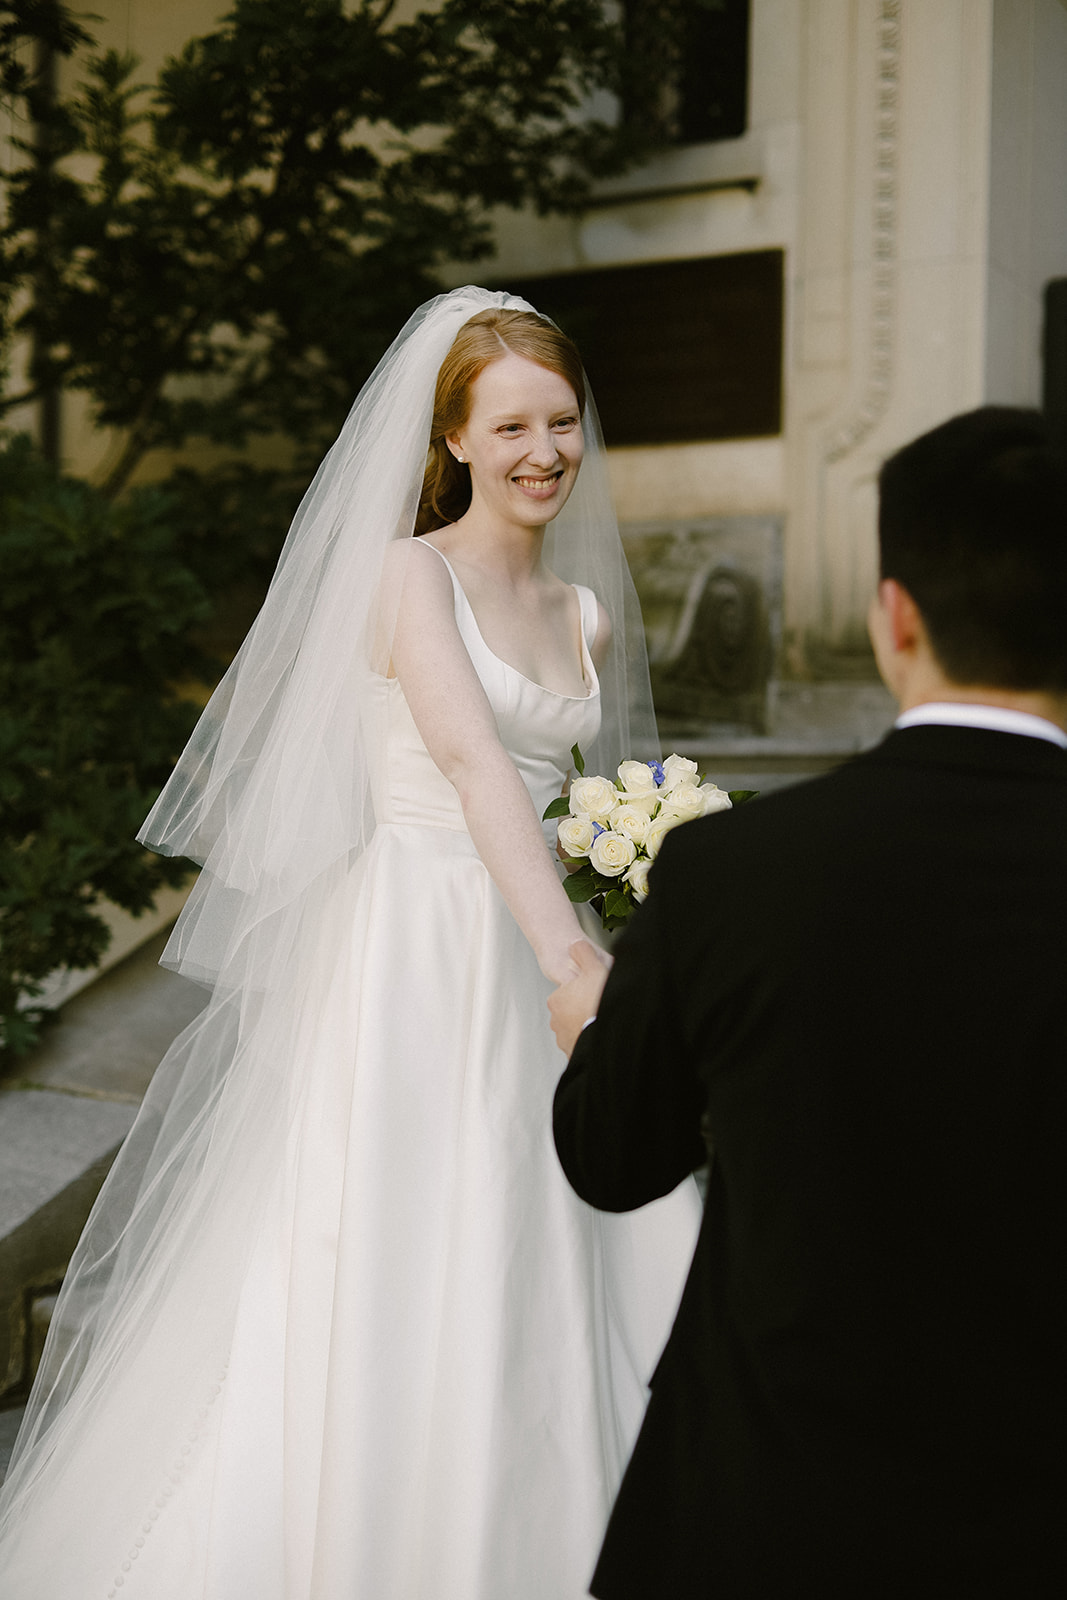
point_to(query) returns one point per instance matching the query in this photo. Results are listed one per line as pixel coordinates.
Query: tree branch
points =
(135, 446)
(9, 402)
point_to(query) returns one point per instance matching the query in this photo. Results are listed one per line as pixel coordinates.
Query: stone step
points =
(42, 1308)
(40, 1320)
(810, 729)
(64, 1112)
(10, 1422)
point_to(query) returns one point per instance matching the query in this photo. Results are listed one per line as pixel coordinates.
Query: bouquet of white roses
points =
(615, 827)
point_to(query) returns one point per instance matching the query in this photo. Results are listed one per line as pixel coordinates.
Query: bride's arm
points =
(457, 725)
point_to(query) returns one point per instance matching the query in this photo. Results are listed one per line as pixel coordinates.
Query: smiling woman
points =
(358, 1336)
(522, 445)
(506, 446)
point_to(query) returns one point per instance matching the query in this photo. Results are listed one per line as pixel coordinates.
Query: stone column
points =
(890, 286)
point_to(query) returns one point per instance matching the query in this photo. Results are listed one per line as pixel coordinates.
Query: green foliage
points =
(45, 23)
(96, 612)
(618, 908)
(613, 903)
(229, 520)
(585, 884)
(255, 227)
(655, 32)
(33, 33)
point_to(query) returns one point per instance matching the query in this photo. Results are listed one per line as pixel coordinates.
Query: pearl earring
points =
(462, 460)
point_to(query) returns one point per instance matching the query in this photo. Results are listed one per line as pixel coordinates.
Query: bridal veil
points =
(273, 798)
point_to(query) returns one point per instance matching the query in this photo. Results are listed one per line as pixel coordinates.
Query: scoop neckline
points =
(587, 658)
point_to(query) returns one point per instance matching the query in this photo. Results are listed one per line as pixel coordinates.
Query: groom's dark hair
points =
(972, 523)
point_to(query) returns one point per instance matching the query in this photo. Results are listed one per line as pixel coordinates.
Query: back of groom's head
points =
(973, 524)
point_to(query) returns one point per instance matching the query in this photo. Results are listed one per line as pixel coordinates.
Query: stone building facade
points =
(906, 158)
(866, 251)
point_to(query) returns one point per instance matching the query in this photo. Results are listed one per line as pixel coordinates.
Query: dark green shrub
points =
(97, 611)
(229, 524)
(235, 245)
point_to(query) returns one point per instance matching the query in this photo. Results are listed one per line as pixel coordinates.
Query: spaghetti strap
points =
(456, 585)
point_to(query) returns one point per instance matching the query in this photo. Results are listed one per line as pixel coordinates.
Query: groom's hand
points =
(575, 1002)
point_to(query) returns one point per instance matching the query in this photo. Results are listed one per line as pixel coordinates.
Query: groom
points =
(856, 990)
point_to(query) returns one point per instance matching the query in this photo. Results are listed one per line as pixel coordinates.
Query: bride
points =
(337, 1328)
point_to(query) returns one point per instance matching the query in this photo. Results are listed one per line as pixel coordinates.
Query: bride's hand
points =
(576, 999)
(563, 967)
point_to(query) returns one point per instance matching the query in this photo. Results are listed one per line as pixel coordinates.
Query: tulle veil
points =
(273, 798)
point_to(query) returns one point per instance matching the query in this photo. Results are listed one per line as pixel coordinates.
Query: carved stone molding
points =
(882, 308)
(710, 592)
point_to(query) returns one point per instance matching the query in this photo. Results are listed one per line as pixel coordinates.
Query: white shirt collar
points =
(997, 719)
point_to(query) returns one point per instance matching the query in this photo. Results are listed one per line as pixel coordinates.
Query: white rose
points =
(612, 853)
(660, 828)
(637, 777)
(678, 769)
(637, 877)
(715, 799)
(575, 835)
(630, 820)
(592, 797)
(642, 802)
(685, 802)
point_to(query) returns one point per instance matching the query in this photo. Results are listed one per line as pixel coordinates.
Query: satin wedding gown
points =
(440, 1354)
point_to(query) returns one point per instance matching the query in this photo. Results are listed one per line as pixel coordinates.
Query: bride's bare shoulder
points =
(414, 560)
(415, 581)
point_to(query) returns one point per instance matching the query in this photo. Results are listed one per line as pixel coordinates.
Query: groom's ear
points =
(897, 633)
(907, 631)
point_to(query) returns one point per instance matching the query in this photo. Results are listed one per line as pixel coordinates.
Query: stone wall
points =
(711, 596)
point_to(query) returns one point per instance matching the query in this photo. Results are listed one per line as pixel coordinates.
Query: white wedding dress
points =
(440, 1355)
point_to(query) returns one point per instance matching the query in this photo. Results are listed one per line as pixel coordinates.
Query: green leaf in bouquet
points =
(618, 906)
(739, 796)
(583, 885)
(579, 760)
(559, 807)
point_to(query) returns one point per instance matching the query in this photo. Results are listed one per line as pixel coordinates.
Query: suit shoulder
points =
(782, 807)
(775, 831)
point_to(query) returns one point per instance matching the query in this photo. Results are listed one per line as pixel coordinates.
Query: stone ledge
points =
(128, 934)
(10, 1422)
(55, 1151)
(813, 728)
(63, 1116)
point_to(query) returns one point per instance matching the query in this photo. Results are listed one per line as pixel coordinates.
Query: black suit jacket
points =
(859, 986)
